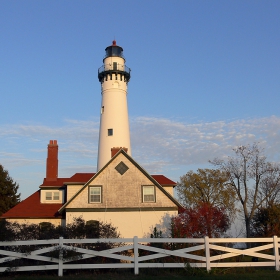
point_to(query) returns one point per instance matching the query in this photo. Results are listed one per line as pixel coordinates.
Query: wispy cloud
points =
(183, 143)
(153, 139)
(157, 143)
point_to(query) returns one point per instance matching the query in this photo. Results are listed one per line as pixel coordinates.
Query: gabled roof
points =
(32, 208)
(121, 151)
(163, 180)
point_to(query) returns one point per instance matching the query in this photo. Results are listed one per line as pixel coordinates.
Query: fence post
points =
(60, 261)
(276, 252)
(135, 250)
(207, 253)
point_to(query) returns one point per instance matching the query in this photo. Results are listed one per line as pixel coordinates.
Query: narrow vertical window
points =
(115, 66)
(110, 132)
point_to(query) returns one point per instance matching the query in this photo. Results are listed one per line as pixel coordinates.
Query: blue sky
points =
(205, 78)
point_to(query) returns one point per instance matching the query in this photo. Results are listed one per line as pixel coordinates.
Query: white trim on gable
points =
(99, 180)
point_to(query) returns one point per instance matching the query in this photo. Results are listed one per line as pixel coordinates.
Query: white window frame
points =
(56, 195)
(148, 190)
(90, 194)
(48, 196)
(52, 196)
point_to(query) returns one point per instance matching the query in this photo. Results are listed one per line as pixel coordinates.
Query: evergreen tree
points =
(8, 191)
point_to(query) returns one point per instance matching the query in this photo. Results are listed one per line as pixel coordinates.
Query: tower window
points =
(115, 66)
(110, 132)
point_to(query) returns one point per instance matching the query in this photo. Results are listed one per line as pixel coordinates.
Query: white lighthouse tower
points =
(114, 124)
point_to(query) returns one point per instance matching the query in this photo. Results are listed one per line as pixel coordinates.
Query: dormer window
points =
(54, 195)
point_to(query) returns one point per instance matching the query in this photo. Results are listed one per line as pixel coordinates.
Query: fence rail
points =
(139, 253)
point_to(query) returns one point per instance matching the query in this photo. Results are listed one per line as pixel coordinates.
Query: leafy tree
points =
(8, 191)
(208, 186)
(255, 180)
(199, 221)
(266, 221)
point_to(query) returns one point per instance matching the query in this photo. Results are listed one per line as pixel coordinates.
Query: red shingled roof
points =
(84, 177)
(76, 178)
(58, 183)
(81, 177)
(161, 179)
(32, 208)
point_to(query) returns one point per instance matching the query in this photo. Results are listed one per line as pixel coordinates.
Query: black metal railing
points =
(116, 69)
(112, 67)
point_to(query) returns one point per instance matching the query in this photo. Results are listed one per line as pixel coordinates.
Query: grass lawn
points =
(156, 274)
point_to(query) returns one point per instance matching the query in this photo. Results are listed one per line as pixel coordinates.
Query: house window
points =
(55, 195)
(52, 195)
(95, 194)
(148, 194)
(48, 195)
(110, 132)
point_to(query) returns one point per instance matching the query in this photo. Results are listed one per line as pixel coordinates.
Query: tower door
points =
(115, 66)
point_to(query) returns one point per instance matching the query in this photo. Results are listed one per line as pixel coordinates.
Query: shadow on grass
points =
(152, 274)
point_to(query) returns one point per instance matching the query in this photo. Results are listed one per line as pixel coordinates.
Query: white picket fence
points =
(266, 254)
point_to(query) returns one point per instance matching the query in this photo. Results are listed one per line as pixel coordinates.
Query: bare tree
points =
(255, 180)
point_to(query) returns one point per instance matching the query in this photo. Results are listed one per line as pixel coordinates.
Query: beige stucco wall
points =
(119, 191)
(72, 189)
(123, 192)
(169, 189)
(129, 224)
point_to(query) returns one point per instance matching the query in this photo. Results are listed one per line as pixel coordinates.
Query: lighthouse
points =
(114, 76)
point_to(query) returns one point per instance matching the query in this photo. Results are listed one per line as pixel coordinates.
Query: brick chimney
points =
(116, 149)
(52, 161)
